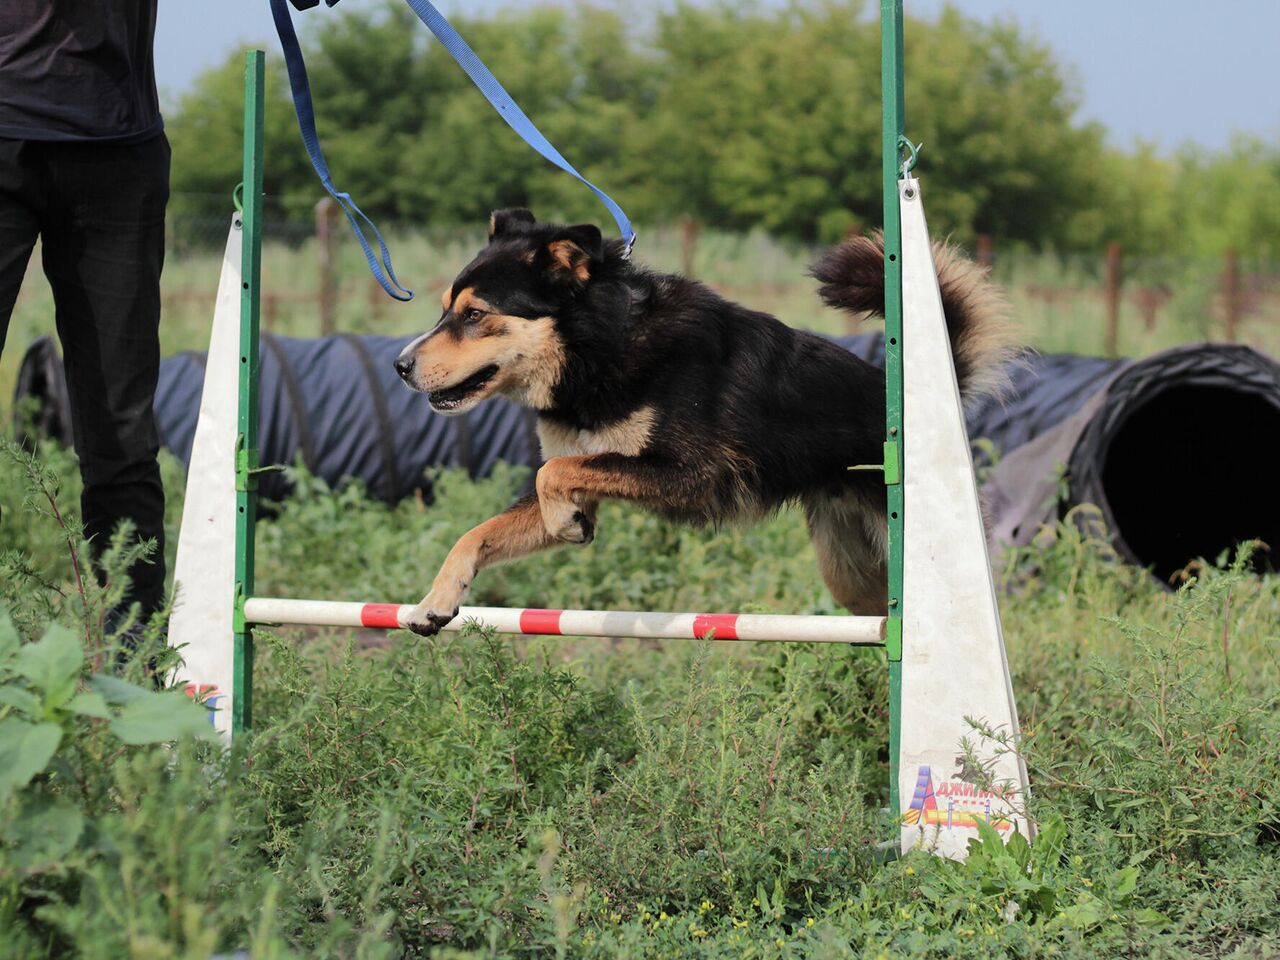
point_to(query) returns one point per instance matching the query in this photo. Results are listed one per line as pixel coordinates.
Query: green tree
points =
(745, 116)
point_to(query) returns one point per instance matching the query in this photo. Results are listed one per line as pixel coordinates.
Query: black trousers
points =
(99, 212)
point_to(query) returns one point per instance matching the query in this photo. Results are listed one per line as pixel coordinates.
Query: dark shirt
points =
(78, 70)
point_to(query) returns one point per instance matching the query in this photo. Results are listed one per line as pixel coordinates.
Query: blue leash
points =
(507, 108)
(484, 80)
(307, 125)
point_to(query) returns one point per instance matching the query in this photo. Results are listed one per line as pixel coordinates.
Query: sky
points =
(1169, 72)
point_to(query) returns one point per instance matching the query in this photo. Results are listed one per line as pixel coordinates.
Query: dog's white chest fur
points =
(627, 437)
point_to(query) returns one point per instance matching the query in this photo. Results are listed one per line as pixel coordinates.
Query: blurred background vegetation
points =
(744, 118)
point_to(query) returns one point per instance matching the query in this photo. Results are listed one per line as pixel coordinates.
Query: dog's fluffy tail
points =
(852, 277)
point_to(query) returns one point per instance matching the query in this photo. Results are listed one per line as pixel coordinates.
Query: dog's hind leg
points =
(850, 537)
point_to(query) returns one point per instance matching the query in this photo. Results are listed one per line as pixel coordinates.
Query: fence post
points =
(688, 244)
(1231, 292)
(985, 253)
(1115, 260)
(326, 244)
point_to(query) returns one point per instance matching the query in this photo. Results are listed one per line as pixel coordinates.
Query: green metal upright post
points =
(892, 100)
(247, 416)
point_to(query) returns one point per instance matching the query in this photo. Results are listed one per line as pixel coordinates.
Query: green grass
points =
(470, 796)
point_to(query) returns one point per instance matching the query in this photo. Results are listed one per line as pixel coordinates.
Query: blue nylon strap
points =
(485, 81)
(507, 108)
(380, 267)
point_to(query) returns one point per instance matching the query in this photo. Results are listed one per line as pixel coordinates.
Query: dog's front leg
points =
(570, 488)
(515, 533)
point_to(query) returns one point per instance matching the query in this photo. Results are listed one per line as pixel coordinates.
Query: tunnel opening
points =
(1191, 472)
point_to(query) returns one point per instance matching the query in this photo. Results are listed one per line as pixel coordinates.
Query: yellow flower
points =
(911, 871)
(606, 898)
(808, 922)
(755, 901)
(1086, 881)
(741, 924)
(706, 906)
(780, 942)
(663, 915)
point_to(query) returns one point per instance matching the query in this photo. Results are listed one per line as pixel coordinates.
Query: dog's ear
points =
(507, 221)
(576, 250)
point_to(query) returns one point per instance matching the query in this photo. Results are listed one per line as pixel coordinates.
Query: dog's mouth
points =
(453, 397)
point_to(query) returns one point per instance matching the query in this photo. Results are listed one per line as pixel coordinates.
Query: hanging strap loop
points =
(484, 80)
(507, 108)
(379, 266)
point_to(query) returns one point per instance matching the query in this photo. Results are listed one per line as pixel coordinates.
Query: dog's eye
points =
(472, 315)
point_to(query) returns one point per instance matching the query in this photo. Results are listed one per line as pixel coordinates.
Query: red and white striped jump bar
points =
(863, 631)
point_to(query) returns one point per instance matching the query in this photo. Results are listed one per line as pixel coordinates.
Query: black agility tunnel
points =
(1172, 448)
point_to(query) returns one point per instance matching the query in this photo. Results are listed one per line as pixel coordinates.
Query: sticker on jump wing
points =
(208, 696)
(957, 804)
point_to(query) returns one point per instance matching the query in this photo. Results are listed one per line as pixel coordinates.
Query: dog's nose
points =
(404, 365)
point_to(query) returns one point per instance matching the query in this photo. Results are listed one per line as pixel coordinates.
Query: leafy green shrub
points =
(470, 796)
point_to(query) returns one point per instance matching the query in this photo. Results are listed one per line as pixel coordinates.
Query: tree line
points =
(745, 117)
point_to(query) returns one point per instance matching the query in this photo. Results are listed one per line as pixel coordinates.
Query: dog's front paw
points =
(577, 529)
(427, 618)
(568, 524)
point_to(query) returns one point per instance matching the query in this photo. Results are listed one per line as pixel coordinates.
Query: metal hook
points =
(909, 163)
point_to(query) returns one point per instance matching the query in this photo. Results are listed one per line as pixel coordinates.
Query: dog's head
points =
(499, 331)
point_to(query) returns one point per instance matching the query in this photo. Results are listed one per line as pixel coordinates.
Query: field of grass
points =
(473, 797)
(476, 797)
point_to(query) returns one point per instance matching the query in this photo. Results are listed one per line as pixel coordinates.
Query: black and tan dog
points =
(651, 388)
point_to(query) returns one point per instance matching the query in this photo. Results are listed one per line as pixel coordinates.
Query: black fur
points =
(797, 408)
(749, 414)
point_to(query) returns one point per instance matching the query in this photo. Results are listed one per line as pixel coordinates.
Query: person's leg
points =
(19, 224)
(103, 253)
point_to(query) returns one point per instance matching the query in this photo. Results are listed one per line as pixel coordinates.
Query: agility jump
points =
(941, 629)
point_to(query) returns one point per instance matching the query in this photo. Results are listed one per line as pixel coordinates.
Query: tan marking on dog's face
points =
(628, 437)
(467, 300)
(446, 299)
(536, 361)
(529, 356)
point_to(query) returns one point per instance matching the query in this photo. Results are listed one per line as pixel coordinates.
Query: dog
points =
(654, 389)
